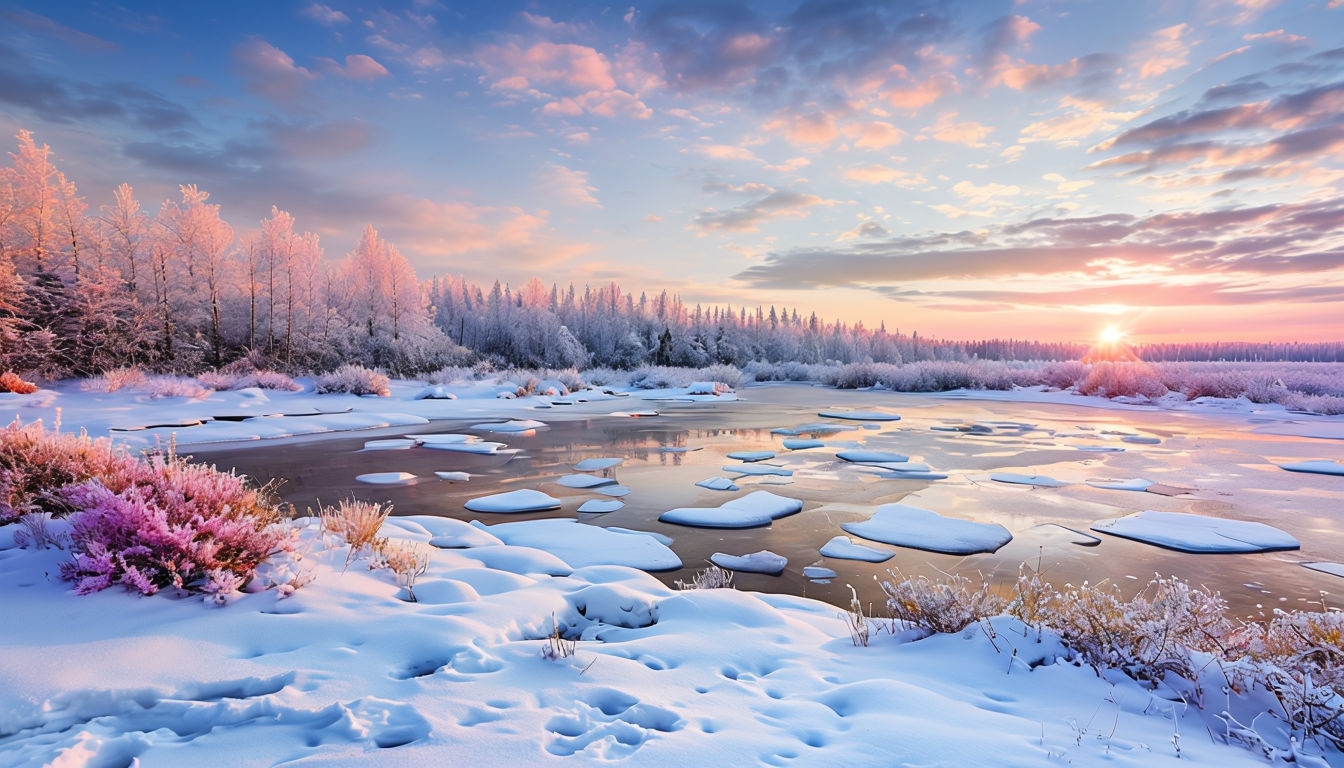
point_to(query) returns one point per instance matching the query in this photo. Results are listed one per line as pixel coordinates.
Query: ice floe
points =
(859, 415)
(467, 446)
(512, 425)
(907, 526)
(718, 484)
(758, 470)
(819, 573)
(390, 444)
(581, 545)
(1315, 466)
(1140, 439)
(453, 477)
(815, 428)
(1039, 481)
(842, 548)
(1334, 569)
(1198, 534)
(521, 500)
(753, 510)
(597, 465)
(802, 444)
(584, 481)
(601, 505)
(1133, 484)
(765, 561)
(613, 490)
(750, 456)
(863, 456)
(386, 478)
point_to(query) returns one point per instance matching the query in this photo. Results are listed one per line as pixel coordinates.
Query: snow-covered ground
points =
(346, 670)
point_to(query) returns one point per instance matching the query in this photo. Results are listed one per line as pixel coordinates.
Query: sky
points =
(1027, 169)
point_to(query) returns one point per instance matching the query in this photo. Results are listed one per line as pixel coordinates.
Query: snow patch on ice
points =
(521, 500)
(1198, 534)
(842, 548)
(907, 526)
(765, 561)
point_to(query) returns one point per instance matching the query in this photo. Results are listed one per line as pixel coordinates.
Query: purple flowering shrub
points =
(35, 466)
(167, 523)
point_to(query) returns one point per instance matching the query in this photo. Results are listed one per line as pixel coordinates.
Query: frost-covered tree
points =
(200, 241)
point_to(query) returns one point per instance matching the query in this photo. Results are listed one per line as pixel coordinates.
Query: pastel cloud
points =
(874, 134)
(324, 15)
(357, 67)
(576, 66)
(881, 174)
(568, 186)
(967, 133)
(1166, 50)
(270, 72)
(750, 215)
(810, 128)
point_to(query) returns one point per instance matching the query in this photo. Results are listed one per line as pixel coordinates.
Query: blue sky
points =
(964, 169)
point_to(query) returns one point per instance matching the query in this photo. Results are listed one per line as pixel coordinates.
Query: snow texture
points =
(842, 548)
(521, 500)
(765, 561)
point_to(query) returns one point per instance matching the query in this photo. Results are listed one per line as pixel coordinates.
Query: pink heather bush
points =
(35, 466)
(1122, 379)
(117, 379)
(167, 523)
(355, 379)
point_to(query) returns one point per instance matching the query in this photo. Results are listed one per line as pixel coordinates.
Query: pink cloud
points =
(357, 67)
(270, 72)
(614, 103)
(881, 174)
(575, 66)
(913, 96)
(969, 134)
(874, 134)
(811, 128)
(1167, 50)
(568, 185)
(324, 15)
(1020, 74)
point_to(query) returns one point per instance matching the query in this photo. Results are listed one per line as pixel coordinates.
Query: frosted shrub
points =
(167, 523)
(35, 466)
(1327, 405)
(354, 379)
(662, 377)
(943, 606)
(760, 370)
(357, 524)
(1122, 379)
(453, 374)
(724, 374)
(1300, 659)
(114, 380)
(1063, 375)
(863, 375)
(176, 386)
(12, 382)
(712, 577)
(602, 377)
(225, 381)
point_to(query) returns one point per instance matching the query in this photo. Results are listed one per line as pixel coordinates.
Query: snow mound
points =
(584, 481)
(765, 561)
(1039, 481)
(842, 548)
(750, 456)
(1198, 534)
(773, 504)
(1315, 466)
(718, 484)
(601, 505)
(802, 444)
(453, 477)
(434, 393)
(861, 456)
(447, 533)
(583, 545)
(860, 415)
(907, 526)
(522, 500)
(385, 478)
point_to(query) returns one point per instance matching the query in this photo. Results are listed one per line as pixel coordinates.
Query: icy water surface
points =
(1215, 466)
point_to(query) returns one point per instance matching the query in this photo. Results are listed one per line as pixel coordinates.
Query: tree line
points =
(84, 291)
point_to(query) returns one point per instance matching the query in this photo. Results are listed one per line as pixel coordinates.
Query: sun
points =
(1111, 335)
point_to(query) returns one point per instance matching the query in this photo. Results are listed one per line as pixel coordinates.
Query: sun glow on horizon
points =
(1111, 335)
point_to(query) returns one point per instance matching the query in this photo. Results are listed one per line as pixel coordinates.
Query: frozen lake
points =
(1222, 465)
